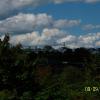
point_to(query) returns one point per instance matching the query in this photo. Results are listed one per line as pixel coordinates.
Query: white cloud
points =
(84, 1)
(66, 23)
(8, 6)
(24, 23)
(43, 29)
(92, 1)
(97, 43)
(88, 40)
(91, 27)
(47, 36)
(57, 37)
(68, 39)
(11, 5)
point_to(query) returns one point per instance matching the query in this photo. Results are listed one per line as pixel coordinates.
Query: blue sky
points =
(87, 13)
(45, 22)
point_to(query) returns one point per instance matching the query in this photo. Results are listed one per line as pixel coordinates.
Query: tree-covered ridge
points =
(48, 74)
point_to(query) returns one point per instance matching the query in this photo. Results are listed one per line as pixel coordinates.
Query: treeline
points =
(48, 74)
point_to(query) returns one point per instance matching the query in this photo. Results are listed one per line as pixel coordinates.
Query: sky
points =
(51, 22)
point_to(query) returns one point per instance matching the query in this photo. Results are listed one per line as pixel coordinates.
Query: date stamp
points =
(92, 89)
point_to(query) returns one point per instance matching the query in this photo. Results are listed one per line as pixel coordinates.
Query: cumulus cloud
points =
(66, 23)
(24, 23)
(88, 40)
(47, 36)
(68, 39)
(57, 37)
(8, 6)
(11, 5)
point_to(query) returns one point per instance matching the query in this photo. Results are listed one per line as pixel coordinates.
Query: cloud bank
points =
(24, 23)
(43, 29)
(58, 37)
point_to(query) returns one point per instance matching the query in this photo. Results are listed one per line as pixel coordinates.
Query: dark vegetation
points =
(48, 74)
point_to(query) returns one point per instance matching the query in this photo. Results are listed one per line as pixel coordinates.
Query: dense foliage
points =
(48, 74)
